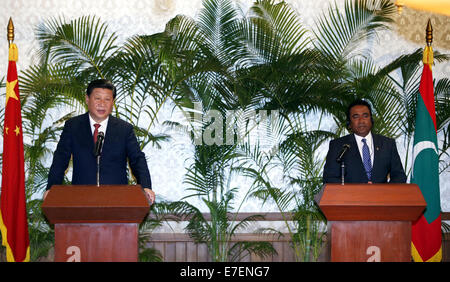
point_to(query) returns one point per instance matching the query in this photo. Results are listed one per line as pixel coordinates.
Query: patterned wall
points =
(149, 16)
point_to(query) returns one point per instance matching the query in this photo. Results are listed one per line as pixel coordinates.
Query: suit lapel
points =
(377, 146)
(86, 132)
(110, 132)
(357, 156)
(355, 150)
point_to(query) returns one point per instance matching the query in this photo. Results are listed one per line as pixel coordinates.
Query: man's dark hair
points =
(101, 83)
(359, 102)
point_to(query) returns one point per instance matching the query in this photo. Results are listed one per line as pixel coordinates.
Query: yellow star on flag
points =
(17, 130)
(10, 93)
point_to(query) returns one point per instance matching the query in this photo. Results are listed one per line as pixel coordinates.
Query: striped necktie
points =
(366, 159)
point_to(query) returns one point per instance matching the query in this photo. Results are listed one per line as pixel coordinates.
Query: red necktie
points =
(97, 125)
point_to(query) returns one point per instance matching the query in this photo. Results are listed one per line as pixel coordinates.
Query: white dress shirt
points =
(369, 141)
(103, 125)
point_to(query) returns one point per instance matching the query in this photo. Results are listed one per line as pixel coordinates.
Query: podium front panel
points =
(370, 241)
(96, 242)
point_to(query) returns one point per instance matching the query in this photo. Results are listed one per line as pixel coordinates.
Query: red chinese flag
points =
(13, 212)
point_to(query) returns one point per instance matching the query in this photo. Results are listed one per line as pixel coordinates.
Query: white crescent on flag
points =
(419, 147)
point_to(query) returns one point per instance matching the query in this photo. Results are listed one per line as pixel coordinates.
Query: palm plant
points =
(218, 53)
(341, 36)
(160, 212)
(296, 154)
(218, 231)
(268, 64)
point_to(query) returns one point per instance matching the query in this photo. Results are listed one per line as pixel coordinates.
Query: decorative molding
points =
(268, 216)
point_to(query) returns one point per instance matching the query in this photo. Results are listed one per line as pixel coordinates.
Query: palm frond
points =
(442, 94)
(340, 34)
(218, 24)
(84, 42)
(274, 31)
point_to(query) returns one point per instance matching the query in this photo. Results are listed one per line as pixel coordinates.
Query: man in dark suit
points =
(370, 158)
(120, 145)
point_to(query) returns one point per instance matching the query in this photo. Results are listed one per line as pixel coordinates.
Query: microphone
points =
(344, 150)
(99, 144)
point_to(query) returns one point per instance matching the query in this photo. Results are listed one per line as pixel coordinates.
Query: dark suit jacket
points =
(386, 162)
(119, 146)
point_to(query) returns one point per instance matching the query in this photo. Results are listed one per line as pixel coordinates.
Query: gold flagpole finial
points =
(428, 51)
(10, 31)
(429, 34)
(13, 53)
(399, 5)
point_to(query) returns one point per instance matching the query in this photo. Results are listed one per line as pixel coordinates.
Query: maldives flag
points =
(13, 213)
(426, 231)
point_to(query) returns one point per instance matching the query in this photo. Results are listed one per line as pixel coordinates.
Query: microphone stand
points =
(98, 170)
(340, 159)
(97, 153)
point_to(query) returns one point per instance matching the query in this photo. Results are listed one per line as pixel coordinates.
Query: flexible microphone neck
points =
(344, 150)
(99, 144)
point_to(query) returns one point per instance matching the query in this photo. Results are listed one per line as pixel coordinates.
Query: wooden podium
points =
(96, 223)
(370, 222)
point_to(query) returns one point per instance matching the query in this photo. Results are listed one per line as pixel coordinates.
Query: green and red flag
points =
(13, 213)
(426, 231)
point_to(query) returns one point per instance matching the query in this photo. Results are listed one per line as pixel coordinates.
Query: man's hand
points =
(45, 194)
(150, 195)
